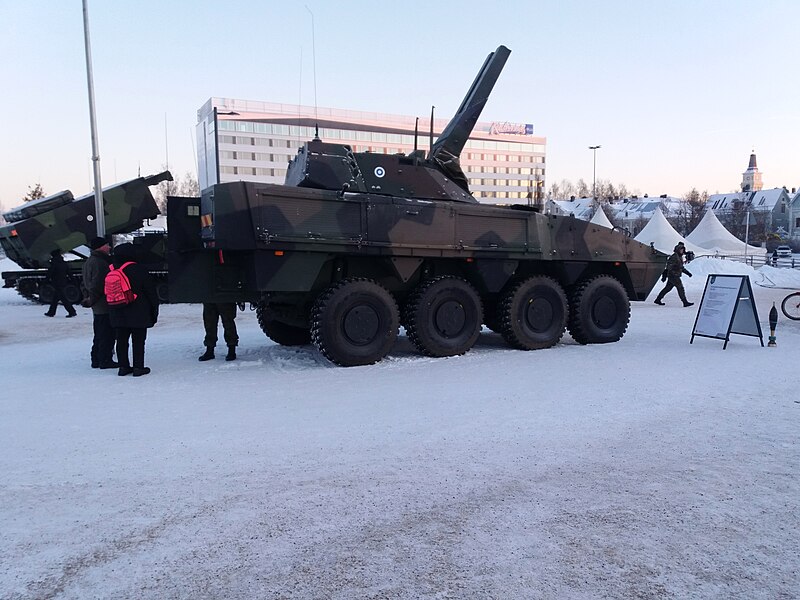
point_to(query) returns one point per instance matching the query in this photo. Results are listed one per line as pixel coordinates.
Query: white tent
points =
(712, 235)
(663, 236)
(600, 218)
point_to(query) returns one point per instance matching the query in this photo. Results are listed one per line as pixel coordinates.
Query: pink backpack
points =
(118, 287)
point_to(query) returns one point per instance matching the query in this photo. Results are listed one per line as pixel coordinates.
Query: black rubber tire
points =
(72, 293)
(533, 313)
(354, 322)
(162, 291)
(46, 293)
(791, 306)
(444, 316)
(599, 311)
(26, 287)
(279, 332)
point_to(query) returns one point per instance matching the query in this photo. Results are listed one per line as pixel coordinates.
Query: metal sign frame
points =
(744, 302)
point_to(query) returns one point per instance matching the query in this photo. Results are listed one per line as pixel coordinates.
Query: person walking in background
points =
(672, 275)
(58, 277)
(94, 276)
(133, 308)
(212, 313)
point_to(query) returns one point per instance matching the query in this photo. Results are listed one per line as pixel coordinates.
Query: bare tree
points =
(34, 193)
(179, 186)
(582, 190)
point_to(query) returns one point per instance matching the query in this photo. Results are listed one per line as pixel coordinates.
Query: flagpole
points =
(99, 209)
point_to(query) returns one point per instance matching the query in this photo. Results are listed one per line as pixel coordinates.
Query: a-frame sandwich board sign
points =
(727, 307)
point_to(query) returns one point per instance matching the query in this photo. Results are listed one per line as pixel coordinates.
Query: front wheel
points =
(355, 322)
(599, 311)
(791, 306)
(280, 332)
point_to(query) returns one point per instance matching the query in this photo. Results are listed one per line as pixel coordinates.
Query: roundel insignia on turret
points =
(380, 171)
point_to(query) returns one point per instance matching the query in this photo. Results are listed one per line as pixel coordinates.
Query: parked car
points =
(783, 251)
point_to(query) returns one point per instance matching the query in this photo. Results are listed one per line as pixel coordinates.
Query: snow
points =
(646, 468)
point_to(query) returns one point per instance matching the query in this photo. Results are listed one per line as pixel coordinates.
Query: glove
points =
(663, 278)
(689, 274)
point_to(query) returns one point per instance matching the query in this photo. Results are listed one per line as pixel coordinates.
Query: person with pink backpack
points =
(133, 308)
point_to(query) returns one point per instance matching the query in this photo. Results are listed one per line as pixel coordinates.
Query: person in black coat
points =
(131, 321)
(58, 276)
(94, 274)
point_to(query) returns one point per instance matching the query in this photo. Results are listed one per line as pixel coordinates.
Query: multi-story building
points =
(254, 141)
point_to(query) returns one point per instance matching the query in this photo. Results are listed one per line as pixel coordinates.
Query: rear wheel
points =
(599, 311)
(27, 288)
(278, 331)
(72, 293)
(444, 316)
(46, 293)
(533, 314)
(791, 306)
(354, 322)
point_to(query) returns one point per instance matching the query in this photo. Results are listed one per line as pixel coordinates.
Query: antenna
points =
(166, 147)
(300, 95)
(416, 136)
(314, 55)
(430, 147)
(191, 138)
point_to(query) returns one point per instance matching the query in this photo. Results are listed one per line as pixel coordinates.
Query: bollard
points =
(773, 323)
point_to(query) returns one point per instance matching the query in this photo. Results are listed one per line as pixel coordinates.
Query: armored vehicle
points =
(356, 244)
(62, 222)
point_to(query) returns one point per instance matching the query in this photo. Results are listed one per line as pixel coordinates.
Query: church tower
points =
(751, 179)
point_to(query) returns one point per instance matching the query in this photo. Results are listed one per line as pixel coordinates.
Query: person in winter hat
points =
(672, 275)
(58, 276)
(94, 276)
(131, 321)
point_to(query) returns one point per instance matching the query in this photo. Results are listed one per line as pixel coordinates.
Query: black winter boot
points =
(209, 354)
(231, 353)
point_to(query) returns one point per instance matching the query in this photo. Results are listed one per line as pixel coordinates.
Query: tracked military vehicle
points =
(65, 223)
(355, 244)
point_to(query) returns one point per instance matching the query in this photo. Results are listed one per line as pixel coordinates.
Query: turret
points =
(438, 176)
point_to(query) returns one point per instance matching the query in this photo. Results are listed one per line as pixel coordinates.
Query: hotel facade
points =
(244, 140)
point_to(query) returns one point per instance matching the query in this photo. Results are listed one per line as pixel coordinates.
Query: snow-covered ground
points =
(648, 468)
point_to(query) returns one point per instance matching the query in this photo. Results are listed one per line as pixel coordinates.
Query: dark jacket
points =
(57, 271)
(94, 279)
(142, 312)
(675, 265)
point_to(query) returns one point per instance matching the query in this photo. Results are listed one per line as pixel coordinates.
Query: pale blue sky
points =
(677, 93)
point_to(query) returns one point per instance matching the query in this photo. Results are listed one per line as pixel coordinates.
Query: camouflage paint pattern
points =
(279, 239)
(50, 223)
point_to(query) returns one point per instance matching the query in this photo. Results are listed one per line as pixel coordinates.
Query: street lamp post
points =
(594, 176)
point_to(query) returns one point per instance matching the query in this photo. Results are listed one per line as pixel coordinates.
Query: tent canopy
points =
(712, 235)
(600, 218)
(663, 236)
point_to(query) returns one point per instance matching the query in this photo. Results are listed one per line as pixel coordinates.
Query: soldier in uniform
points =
(212, 313)
(94, 297)
(58, 276)
(672, 275)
